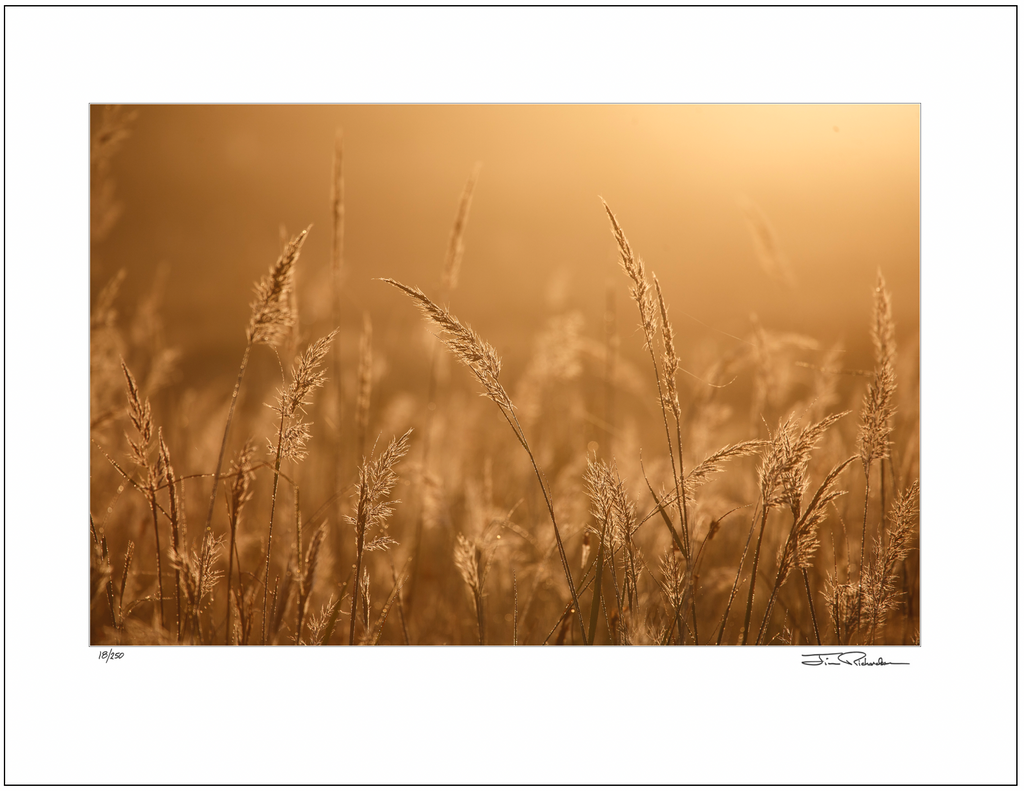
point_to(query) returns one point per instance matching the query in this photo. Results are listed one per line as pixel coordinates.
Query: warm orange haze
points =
(588, 375)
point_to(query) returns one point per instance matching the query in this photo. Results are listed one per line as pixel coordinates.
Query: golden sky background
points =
(206, 190)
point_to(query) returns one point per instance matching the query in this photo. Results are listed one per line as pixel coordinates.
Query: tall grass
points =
(747, 522)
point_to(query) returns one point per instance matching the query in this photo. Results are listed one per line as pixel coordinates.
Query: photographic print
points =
(564, 375)
(423, 351)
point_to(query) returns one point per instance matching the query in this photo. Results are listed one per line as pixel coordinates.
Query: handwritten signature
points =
(858, 658)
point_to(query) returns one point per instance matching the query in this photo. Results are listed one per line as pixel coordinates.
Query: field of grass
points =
(376, 477)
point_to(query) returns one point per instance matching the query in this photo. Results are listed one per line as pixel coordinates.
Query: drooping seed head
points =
(468, 347)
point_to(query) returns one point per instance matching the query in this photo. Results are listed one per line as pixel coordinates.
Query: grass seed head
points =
(306, 376)
(670, 358)
(468, 347)
(272, 310)
(456, 244)
(879, 401)
(141, 416)
(640, 290)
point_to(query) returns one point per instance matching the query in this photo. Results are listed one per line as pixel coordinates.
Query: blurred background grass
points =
(206, 190)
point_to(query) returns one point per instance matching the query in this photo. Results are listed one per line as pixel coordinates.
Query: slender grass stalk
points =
(595, 602)
(141, 416)
(882, 589)
(515, 610)
(272, 316)
(863, 536)
(614, 510)
(108, 573)
(810, 605)
(297, 509)
(166, 474)
(695, 571)
(736, 582)
(417, 541)
(482, 359)
(241, 493)
(398, 602)
(337, 263)
(365, 387)
(782, 477)
(881, 497)
(753, 574)
(376, 480)
(518, 429)
(449, 281)
(333, 618)
(878, 410)
(393, 598)
(291, 433)
(307, 574)
(270, 529)
(667, 394)
(128, 554)
(273, 606)
(802, 543)
(641, 293)
(468, 562)
(457, 239)
(611, 345)
(671, 363)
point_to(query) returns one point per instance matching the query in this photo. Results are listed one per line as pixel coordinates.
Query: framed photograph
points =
(510, 395)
